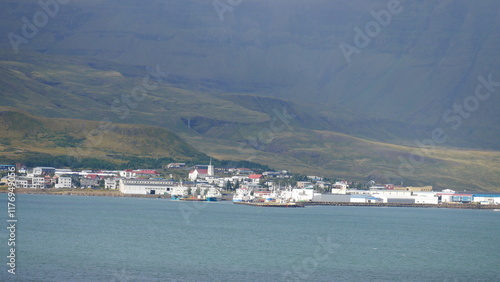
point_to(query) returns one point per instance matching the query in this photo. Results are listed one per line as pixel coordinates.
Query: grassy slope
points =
(21, 133)
(60, 86)
(424, 61)
(78, 88)
(341, 156)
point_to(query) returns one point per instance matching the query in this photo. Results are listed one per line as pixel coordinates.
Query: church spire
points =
(210, 170)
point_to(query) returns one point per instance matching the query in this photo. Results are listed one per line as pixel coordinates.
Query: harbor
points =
(271, 204)
(404, 205)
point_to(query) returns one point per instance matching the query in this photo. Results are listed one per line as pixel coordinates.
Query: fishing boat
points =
(243, 195)
(213, 194)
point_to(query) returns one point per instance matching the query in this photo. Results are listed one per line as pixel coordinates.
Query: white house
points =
(64, 182)
(110, 183)
(255, 178)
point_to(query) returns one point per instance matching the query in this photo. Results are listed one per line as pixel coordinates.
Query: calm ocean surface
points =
(70, 238)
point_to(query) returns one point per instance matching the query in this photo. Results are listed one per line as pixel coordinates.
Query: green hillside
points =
(270, 131)
(60, 86)
(337, 155)
(71, 142)
(425, 61)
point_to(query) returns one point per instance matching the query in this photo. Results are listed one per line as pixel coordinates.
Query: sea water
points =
(73, 238)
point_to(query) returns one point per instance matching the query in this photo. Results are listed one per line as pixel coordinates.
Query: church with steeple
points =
(201, 171)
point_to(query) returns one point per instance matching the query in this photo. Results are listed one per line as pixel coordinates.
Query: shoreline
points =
(83, 192)
(88, 192)
(117, 193)
(407, 205)
(271, 204)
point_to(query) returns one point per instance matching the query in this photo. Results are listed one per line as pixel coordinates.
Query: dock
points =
(271, 204)
(406, 205)
(193, 199)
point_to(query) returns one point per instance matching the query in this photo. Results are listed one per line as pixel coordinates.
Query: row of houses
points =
(62, 182)
(253, 186)
(48, 177)
(42, 182)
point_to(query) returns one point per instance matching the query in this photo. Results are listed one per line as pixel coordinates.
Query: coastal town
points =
(241, 185)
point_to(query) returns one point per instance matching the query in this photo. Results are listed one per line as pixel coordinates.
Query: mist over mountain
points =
(358, 84)
(393, 61)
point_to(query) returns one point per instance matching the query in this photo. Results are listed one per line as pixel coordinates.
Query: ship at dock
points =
(258, 196)
(200, 192)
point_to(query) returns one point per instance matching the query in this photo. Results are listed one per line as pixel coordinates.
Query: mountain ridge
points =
(266, 130)
(425, 60)
(269, 82)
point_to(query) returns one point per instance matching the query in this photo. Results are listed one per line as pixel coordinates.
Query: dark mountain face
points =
(431, 64)
(323, 87)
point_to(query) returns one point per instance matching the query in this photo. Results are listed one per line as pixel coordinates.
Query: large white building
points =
(146, 186)
(487, 199)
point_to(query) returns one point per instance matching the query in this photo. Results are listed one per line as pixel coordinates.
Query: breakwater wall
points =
(274, 205)
(97, 193)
